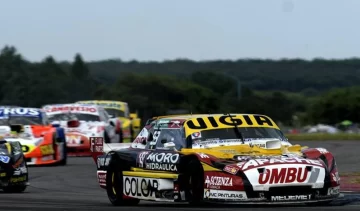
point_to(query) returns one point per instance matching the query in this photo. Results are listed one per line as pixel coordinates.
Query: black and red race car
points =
(220, 158)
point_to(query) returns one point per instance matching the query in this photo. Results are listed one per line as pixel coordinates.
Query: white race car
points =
(81, 122)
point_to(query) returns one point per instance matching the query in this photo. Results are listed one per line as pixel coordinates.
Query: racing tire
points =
(114, 188)
(15, 189)
(195, 174)
(121, 137)
(63, 162)
(106, 138)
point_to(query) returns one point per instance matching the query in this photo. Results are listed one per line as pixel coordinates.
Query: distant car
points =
(13, 169)
(41, 142)
(215, 158)
(130, 123)
(80, 122)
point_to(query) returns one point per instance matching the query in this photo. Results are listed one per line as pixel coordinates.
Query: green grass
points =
(323, 137)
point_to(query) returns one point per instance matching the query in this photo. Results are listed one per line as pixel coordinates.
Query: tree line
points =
(289, 91)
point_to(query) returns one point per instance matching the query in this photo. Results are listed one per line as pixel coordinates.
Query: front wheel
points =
(15, 189)
(195, 175)
(114, 188)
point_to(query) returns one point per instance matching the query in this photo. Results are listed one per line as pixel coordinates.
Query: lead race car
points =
(220, 158)
(80, 122)
(42, 143)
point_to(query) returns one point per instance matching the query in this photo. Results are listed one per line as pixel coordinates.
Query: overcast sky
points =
(170, 29)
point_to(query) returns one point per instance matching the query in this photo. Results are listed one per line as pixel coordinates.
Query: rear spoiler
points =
(99, 147)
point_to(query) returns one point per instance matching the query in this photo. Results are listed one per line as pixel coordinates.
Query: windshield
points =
(229, 134)
(21, 120)
(115, 112)
(175, 135)
(74, 116)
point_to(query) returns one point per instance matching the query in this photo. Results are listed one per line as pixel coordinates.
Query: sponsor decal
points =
(202, 155)
(139, 140)
(322, 150)
(20, 170)
(103, 161)
(196, 135)
(258, 145)
(162, 161)
(102, 178)
(96, 144)
(19, 112)
(71, 108)
(18, 179)
(293, 160)
(229, 120)
(4, 159)
(138, 187)
(223, 194)
(216, 181)
(334, 191)
(47, 149)
(336, 177)
(283, 175)
(141, 158)
(231, 169)
(291, 198)
(73, 139)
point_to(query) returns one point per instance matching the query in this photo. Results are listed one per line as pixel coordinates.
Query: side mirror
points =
(169, 145)
(112, 123)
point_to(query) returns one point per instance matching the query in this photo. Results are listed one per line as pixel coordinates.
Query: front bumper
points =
(283, 195)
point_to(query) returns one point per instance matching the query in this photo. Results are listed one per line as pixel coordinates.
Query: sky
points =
(160, 30)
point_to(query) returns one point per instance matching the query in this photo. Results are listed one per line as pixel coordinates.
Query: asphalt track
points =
(74, 187)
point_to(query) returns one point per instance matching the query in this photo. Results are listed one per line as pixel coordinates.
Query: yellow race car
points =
(215, 158)
(130, 123)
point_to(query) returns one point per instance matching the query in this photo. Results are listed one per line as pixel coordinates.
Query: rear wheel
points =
(114, 188)
(63, 162)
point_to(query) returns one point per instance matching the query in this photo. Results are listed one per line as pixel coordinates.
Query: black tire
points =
(114, 188)
(106, 137)
(195, 175)
(15, 189)
(121, 137)
(63, 162)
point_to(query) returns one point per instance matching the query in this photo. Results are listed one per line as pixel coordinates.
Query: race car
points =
(80, 122)
(215, 158)
(42, 143)
(130, 123)
(13, 172)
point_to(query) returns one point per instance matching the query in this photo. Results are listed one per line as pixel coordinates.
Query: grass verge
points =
(323, 137)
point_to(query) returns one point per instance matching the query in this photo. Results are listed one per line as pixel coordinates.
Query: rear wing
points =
(99, 147)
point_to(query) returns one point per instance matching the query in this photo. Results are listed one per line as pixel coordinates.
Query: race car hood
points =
(253, 147)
